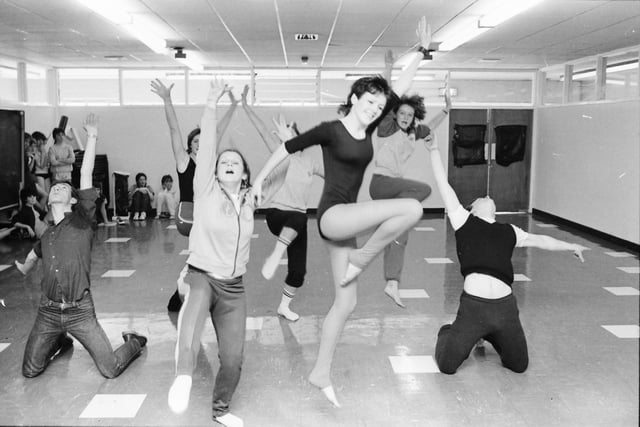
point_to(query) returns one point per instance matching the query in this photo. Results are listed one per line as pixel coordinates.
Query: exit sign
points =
(306, 37)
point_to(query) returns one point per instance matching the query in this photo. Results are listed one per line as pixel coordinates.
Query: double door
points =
(490, 154)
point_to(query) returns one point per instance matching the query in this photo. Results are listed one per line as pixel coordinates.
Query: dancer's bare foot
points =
(325, 387)
(393, 292)
(270, 266)
(350, 275)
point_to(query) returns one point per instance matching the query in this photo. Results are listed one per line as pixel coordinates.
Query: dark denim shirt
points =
(65, 250)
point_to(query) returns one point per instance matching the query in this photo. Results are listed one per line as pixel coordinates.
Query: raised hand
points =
(90, 124)
(217, 88)
(161, 90)
(232, 97)
(388, 58)
(243, 96)
(424, 33)
(447, 94)
(284, 130)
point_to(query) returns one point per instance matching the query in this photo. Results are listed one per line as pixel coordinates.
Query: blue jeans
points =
(53, 323)
(225, 302)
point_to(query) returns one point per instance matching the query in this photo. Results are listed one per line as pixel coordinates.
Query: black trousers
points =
(495, 320)
(297, 251)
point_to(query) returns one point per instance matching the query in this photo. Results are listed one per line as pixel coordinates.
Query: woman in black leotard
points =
(347, 150)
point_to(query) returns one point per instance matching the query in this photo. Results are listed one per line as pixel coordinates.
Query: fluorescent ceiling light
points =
(155, 43)
(462, 30)
(113, 10)
(486, 15)
(118, 12)
(505, 10)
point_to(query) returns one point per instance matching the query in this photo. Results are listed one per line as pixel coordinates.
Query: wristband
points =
(426, 53)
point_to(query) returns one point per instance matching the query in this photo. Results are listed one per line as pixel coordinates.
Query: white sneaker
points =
(136, 216)
(143, 216)
(178, 398)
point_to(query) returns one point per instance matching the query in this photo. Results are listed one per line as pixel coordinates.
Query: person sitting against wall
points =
(166, 203)
(30, 217)
(140, 197)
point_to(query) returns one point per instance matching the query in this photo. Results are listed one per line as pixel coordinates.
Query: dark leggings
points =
(495, 320)
(297, 251)
(386, 187)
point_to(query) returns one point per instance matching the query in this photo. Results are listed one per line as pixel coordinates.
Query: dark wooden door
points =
(506, 179)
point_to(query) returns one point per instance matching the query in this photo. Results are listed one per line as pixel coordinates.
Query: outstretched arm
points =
(451, 202)
(276, 158)
(552, 244)
(270, 140)
(442, 114)
(403, 83)
(88, 161)
(179, 151)
(226, 119)
(388, 65)
(205, 174)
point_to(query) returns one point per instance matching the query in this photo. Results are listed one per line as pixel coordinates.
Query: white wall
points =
(136, 139)
(586, 165)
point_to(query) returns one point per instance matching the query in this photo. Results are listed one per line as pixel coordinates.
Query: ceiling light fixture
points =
(504, 10)
(117, 12)
(487, 14)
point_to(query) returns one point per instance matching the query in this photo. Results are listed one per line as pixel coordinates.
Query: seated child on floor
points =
(166, 204)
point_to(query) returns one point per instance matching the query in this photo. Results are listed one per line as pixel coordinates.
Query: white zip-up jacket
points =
(220, 237)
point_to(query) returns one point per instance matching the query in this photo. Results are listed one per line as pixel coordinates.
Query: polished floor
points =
(581, 322)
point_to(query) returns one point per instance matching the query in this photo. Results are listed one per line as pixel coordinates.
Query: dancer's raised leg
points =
(333, 325)
(286, 236)
(391, 217)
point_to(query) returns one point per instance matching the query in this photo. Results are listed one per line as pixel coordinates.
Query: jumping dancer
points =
(219, 252)
(347, 150)
(398, 134)
(488, 309)
(185, 161)
(286, 215)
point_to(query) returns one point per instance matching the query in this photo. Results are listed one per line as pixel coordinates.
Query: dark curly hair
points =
(372, 84)
(416, 102)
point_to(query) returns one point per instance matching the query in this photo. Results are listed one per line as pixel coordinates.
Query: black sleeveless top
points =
(185, 181)
(486, 248)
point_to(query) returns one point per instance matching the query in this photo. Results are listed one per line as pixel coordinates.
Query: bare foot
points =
(393, 292)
